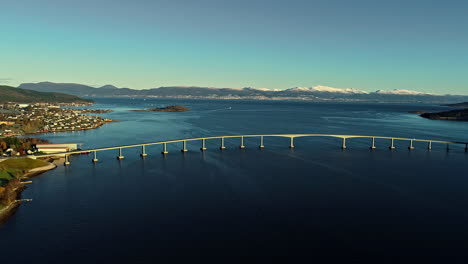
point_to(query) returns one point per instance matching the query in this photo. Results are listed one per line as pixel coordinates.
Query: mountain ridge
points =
(314, 93)
(13, 94)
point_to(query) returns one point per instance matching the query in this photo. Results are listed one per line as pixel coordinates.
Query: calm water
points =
(314, 200)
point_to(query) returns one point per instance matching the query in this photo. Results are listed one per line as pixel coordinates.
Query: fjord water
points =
(315, 199)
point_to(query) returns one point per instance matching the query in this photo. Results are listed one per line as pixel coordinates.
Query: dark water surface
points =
(314, 200)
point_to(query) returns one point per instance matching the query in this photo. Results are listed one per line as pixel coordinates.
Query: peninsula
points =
(12, 174)
(461, 105)
(172, 108)
(453, 115)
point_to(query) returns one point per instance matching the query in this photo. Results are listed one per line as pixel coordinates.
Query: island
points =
(453, 115)
(171, 108)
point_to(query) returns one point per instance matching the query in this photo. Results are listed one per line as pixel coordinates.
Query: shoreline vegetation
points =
(460, 114)
(171, 108)
(14, 174)
(452, 115)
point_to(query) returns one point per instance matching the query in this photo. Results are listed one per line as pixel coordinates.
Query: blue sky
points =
(419, 45)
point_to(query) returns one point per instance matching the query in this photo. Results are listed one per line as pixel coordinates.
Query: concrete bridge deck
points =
(261, 137)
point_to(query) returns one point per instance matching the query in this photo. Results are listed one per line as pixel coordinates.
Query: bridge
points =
(202, 140)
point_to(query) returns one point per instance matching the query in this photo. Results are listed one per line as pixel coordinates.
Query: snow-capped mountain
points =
(327, 89)
(314, 93)
(321, 88)
(401, 92)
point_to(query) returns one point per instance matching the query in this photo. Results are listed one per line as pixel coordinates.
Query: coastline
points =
(76, 130)
(18, 187)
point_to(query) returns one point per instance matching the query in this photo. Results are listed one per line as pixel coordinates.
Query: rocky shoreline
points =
(16, 187)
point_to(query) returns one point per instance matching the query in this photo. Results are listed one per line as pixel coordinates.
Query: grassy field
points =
(24, 164)
(12, 168)
(6, 176)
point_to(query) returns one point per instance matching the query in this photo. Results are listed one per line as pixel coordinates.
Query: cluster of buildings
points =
(20, 119)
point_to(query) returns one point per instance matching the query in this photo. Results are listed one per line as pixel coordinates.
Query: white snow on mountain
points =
(321, 88)
(402, 92)
(265, 89)
(327, 89)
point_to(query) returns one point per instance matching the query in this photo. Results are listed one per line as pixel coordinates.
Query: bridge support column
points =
(203, 148)
(120, 156)
(242, 143)
(343, 145)
(164, 152)
(184, 146)
(143, 151)
(429, 145)
(411, 147)
(222, 144)
(466, 147)
(67, 160)
(291, 143)
(373, 143)
(95, 159)
(392, 144)
(448, 147)
(261, 142)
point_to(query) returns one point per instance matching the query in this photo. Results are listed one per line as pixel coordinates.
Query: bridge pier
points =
(411, 147)
(184, 146)
(373, 143)
(67, 161)
(242, 143)
(222, 144)
(448, 147)
(429, 145)
(164, 152)
(143, 151)
(466, 147)
(392, 144)
(120, 156)
(95, 159)
(291, 143)
(343, 145)
(261, 142)
(203, 148)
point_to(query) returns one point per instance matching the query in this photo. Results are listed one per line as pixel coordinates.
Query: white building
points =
(68, 146)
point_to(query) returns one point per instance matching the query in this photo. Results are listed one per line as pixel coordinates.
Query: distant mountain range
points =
(12, 94)
(316, 93)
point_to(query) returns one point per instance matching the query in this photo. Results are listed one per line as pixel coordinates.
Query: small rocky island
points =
(171, 108)
(454, 115)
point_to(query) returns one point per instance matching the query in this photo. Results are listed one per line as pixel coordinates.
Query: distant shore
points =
(452, 115)
(75, 130)
(172, 108)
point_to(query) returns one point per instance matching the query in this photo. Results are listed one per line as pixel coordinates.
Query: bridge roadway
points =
(261, 137)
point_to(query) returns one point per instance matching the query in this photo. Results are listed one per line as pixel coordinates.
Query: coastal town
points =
(17, 120)
(23, 119)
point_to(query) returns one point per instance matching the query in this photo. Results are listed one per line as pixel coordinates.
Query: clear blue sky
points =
(364, 44)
